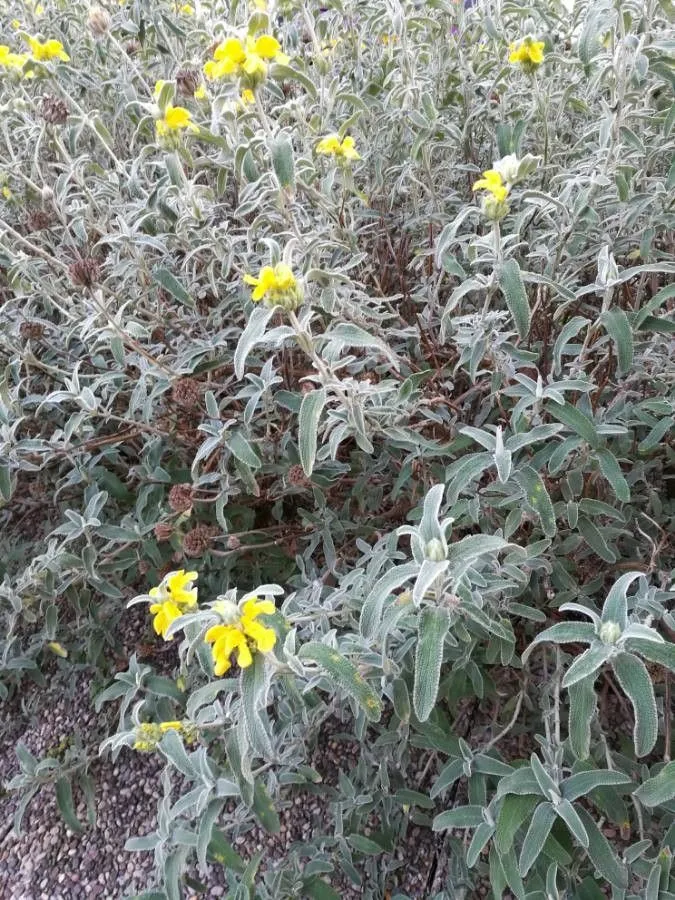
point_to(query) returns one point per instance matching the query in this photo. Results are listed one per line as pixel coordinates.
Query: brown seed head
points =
(187, 393)
(54, 110)
(85, 272)
(180, 497)
(198, 541)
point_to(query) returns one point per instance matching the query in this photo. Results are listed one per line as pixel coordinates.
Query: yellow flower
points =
(175, 118)
(175, 595)
(51, 49)
(12, 60)
(247, 97)
(200, 93)
(158, 89)
(58, 649)
(527, 53)
(170, 726)
(493, 183)
(232, 58)
(241, 633)
(277, 286)
(343, 149)
(186, 9)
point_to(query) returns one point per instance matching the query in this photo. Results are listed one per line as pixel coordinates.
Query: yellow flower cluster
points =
(344, 150)
(240, 632)
(40, 52)
(276, 285)
(147, 735)
(51, 49)
(172, 118)
(234, 58)
(9, 60)
(528, 54)
(493, 183)
(494, 203)
(175, 595)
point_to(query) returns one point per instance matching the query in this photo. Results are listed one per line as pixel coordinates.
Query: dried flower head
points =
(85, 272)
(180, 497)
(54, 110)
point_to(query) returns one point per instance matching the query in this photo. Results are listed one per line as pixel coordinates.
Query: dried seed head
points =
(38, 220)
(54, 110)
(85, 272)
(296, 475)
(187, 81)
(158, 335)
(98, 21)
(180, 497)
(133, 47)
(233, 542)
(31, 331)
(163, 531)
(187, 393)
(197, 541)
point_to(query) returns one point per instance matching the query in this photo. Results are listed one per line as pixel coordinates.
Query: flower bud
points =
(610, 632)
(434, 550)
(98, 21)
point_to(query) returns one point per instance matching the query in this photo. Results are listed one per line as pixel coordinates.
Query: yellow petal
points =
(244, 657)
(266, 46)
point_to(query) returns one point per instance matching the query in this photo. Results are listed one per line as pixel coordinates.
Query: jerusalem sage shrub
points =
(339, 334)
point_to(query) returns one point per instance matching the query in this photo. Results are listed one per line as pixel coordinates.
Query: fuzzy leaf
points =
(346, 675)
(618, 328)
(250, 336)
(513, 812)
(583, 783)
(461, 817)
(601, 854)
(540, 826)
(660, 789)
(586, 664)
(433, 627)
(537, 497)
(570, 817)
(615, 608)
(371, 612)
(513, 289)
(312, 406)
(661, 654)
(576, 420)
(634, 679)
(612, 472)
(564, 633)
(583, 704)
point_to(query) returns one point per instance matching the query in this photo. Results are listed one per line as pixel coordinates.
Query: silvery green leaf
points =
(537, 498)
(547, 785)
(595, 540)
(570, 817)
(460, 474)
(429, 524)
(426, 577)
(242, 449)
(514, 811)
(582, 783)
(478, 843)
(601, 854)
(312, 406)
(615, 607)
(484, 438)
(644, 632)
(513, 290)
(619, 329)
(587, 664)
(250, 336)
(540, 827)
(564, 633)
(661, 654)
(433, 627)
(659, 789)
(460, 817)
(207, 820)
(281, 151)
(583, 704)
(578, 421)
(521, 782)
(449, 774)
(171, 746)
(538, 433)
(371, 613)
(582, 610)
(253, 682)
(634, 679)
(502, 458)
(346, 334)
(345, 675)
(612, 472)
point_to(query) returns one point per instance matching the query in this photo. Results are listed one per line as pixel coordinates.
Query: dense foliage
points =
(339, 335)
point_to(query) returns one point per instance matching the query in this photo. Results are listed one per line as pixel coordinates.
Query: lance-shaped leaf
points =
(461, 817)
(570, 817)
(540, 826)
(564, 633)
(478, 843)
(583, 704)
(615, 608)
(433, 627)
(513, 812)
(311, 408)
(345, 674)
(583, 783)
(660, 789)
(250, 336)
(612, 472)
(513, 289)
(371, 613)
(588, 663)
(520, 782)
(537, 497)
(426, 577)
(576, 420)
(253, 686)
(634, 679)
(601, 854)
(618, 328)
(448, 775)
(661, 654)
